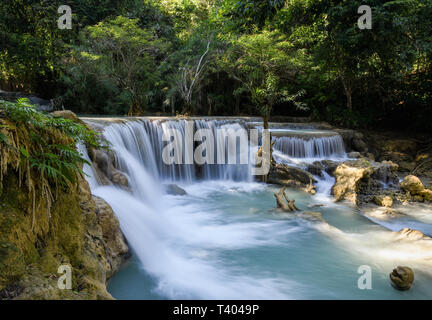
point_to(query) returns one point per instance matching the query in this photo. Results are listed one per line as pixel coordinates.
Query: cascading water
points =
(220, 241)
(315, 147)
(143, 140)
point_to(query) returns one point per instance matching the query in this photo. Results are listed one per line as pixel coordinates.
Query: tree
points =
(125, 54)
(261, 64)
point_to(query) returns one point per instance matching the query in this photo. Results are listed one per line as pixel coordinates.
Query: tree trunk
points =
(348, 90)
(135, 110)
(266, 121)
(282, 201)
(172, 106)
(237, 106)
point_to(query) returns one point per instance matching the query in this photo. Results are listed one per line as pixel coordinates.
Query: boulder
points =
(354, 155)
(175, 190)
(315, 168)
(104, 166)
(67, 114)
(348, 176)
(288, 176)
(329, 166)
(402, 278)
(385, 201)
(120, 179)
(416, 189)
(361, 179)
(359, 145)
(412, 184)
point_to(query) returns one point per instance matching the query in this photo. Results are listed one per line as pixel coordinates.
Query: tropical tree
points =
(263, 67)
(126, 54)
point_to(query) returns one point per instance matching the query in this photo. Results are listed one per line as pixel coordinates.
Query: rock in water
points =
(287, 176)
(412, 184)
(175, 190)
(402, 278)
(410, 234)
(385, 201)
(356, 179)
(415, 187)
(354, 155)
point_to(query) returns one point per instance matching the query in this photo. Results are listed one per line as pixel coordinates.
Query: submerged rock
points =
(416, 189)
(288, 176)
(312, 216)
(402, 278)
(174, 190)
(410, 234)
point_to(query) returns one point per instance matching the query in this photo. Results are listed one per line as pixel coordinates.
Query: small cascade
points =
(313, 147)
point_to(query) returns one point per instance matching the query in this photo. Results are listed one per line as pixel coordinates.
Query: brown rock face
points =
(347, 180)
(116, 247)
(385, 201)
(402, 278)
(287, 176)
(412, 184)
(361, 178)
(410, 234)
(415, 187)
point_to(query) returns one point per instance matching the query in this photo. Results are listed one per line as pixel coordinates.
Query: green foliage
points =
(261, 63)
(141, 56)
(57, 162)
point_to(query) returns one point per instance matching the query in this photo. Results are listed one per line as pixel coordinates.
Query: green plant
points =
(42, 148)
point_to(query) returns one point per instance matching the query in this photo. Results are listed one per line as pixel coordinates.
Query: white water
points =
(318, 148)
(223, 241)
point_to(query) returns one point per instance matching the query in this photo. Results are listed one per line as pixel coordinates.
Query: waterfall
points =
(314, 147)
(142, 140)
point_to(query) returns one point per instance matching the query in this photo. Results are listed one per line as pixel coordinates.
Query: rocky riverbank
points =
(51, 227)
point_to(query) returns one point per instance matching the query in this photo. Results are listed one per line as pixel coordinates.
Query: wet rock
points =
(329, 166)
(120, 179)
(312, 216)
(115, 244)
(410, 234)
(402, 278)
(106, 172)
(385, 201)
(354, 155)
(416, 189)
(288, 176)
(174, 190)
(315, 168)
(359, 145)
(412, 184)
(348, 176)
(361, 179)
